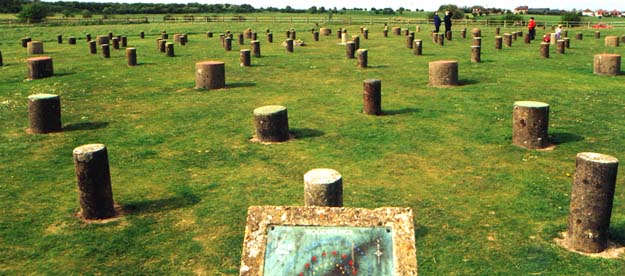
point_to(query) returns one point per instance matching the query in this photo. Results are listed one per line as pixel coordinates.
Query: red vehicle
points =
(601, 26)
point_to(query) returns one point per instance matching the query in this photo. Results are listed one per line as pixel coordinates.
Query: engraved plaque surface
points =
(313, 240)
(321, 250)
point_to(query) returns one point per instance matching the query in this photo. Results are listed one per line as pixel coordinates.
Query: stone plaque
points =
(323, 250)
(312, 240)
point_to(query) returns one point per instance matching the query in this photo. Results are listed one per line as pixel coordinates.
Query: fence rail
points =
(336, 20)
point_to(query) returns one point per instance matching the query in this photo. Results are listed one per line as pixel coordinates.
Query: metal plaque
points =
(328, 250)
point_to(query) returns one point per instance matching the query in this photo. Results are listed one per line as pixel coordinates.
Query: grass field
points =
(183, 169)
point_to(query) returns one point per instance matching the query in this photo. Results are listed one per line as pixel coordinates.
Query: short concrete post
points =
(385, 33)
(316, 36)
(142, 35)
(418, 47)
(164, 36)
(579, 36)
(110, 35)
(530, 124)
(25, 41)
(365, 33)
(607, 64)
(35, 48)
(363, 56)
(567, 42)
(498, 42)
(448, 35)
(115, 43)
(409, 41)
(289, 45)
(124, 41)
(477, 41)
(59, 39)
(102, 39)
(40, 67)
(350, 49)
(241, 39)
(611, 41)
(293, 35)
(162, 46)
(544, 49)
(256, 48)
(270, 37)
(210, 75)
(372, 97)
(71, 40)
(560, 46)
(272, 123)
(94, 181)
(324, 31)
(169, 49)
(565, 33)
(343, 38)
(245, 57)
(507, 40)
(254, 36)
(106, 51)
(441, 39)
(597, 34)
(476, 54)
(131, 56)
(177, 38)
(209, 34)
(552, 39)
(406, 32)
(514, 35)
(476, 33)
(339, 33)
(92, 47)
(443, 73)
(591, 202)
(396, 30)
(463, 33)
(1, 62)
(323, 187)
(497, 31)
(44, 113)
(356, 40)
(528, 39)
(228, 46)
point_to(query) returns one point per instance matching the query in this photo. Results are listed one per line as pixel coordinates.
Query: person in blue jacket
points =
(437, 22)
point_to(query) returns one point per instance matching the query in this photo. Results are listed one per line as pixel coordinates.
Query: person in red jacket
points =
(531, 27)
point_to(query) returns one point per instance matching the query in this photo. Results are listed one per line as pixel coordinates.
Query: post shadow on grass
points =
(163, 204)
(617, 232)
(240, 84)
(420, 231)
(60, 74)
(558, 138)
(85, 126)
(304, 133)
(399, 111)
(467, 82)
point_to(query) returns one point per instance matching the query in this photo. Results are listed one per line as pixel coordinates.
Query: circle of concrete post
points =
(418, 47)
(131, 56)
(443, 73)
(544, 49)
(40, 67)
(272, 123)
(245, 57)
(476, 53)
(44, 113)
(106, 51)
(323, 187)
(607, 64)
(256, 48)
(530, 122)
(94, 181)
(372, 97)
(611, 41)
(210, 75)
(35, 47)
(592, 196)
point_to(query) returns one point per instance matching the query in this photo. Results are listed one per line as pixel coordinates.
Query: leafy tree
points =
(401, 10)
(388, 11)
(33, 13)
(86, 14)
(67, 13)
(312, 9)
(573, 17)
(457, 13)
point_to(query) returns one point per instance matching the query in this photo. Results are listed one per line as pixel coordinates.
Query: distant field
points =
(183, 168)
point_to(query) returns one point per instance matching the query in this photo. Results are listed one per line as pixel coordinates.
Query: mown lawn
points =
(183, 169)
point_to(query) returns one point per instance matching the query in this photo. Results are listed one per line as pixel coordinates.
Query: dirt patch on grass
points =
(614, 250)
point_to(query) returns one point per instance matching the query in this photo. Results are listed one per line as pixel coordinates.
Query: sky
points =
(426, 5)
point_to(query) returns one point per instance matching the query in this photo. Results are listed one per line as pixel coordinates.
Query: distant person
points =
(558, 32)
(437, 22)
(531, 27)
(447, 20)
